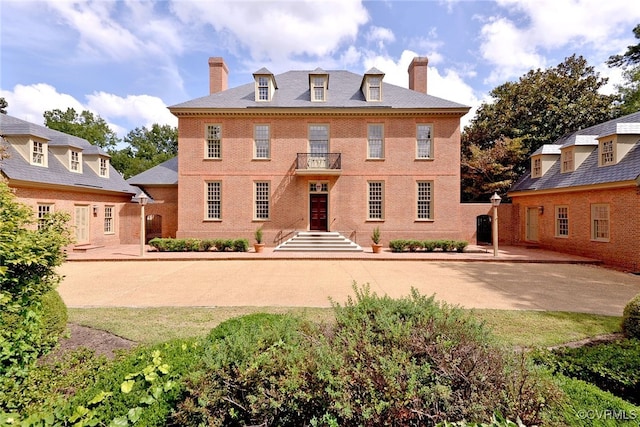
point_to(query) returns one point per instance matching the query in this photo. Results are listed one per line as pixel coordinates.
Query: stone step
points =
(309, 241)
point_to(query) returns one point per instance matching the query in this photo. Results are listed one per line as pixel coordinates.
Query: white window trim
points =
(207, 140)
(314, 87)
(601, 153)
(431, 155)
(40, 213)
(568, 161)
(369, 200)
(557, 221)
(382, 153)
(536, 167)
(255, 141)
(79, 153)
(256, 217)
(594, 237)
(430, 201)
(103, 172)
(206, 201)
(369, 86)
(112, 218)
(43, 155)
(267, 87)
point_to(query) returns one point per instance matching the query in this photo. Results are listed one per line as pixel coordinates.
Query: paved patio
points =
(519, 278)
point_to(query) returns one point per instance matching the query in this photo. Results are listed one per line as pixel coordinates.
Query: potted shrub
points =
(258, 246)
(375, 239)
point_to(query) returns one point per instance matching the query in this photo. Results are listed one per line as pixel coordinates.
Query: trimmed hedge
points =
(631, 318)
(411, 245)
(199, 245)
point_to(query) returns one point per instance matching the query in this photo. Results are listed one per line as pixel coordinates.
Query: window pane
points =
(262, 200)
(375, 200)
(375, 141)
(262, 141)
(213, 200)
(108, 219)
(213, 141)
(562, 221)
(424, 141)
(424, 200)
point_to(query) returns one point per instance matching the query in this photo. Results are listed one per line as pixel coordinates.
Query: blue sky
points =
(128, 60)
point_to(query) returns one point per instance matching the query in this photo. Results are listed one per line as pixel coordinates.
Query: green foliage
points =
(631, 318)
(3, 105)
(84, 125)
(587, 405)
(403, 245)
(614, 367)
(375, 236)
(146, 149)
(54, 316)
(496, 421)
(198, 245)
(258, 235)
(28, 258)
(384, 362)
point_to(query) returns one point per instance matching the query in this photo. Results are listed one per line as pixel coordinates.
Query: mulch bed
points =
(103, 343)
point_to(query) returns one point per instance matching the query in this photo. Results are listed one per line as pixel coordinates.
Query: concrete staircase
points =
(318, 241)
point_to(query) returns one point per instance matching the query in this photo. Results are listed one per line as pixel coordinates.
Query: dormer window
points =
(38, 153)
(374, 88)
(606, 153)
(567, 161)
(536, 170)
(104, 167)
(318, 85)
(75, 164)
(265, 85)
(372, 85)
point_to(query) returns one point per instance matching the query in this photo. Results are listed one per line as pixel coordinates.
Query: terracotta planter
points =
(377, 248)
(258, 247)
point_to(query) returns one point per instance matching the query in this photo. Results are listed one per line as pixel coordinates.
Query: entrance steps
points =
(318, 241)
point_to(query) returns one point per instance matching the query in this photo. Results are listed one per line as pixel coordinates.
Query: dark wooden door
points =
(483, 230)
(318, 212)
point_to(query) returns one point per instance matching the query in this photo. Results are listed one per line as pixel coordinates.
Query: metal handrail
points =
(319, 161)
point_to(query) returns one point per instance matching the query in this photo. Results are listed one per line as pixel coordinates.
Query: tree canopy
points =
(146, 148)
(630, 62)
(3, 106)
(539, 108)
(85, 125)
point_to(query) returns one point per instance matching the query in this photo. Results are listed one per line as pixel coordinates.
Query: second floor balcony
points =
(319, 164)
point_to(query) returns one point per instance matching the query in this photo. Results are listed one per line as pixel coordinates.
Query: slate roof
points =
(165, 173)
(16, 167)
(588, 173)
(344, 92)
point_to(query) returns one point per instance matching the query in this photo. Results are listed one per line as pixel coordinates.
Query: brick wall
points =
(347, 192)
(623, 248)
(165, 204)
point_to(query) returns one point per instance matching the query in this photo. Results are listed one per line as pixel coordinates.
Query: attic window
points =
(104, 168)
(536, 169)
(374, 92)
(318, 88)
(74, 161)
(263, 88)
(606, 153)
(567, 161)
(38, 153)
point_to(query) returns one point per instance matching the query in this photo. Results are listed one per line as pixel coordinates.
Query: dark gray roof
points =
(344, 92)
(588, 173)
(165, 173)
(16, 167)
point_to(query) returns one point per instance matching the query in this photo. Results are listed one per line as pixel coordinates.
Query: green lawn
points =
(155, 325)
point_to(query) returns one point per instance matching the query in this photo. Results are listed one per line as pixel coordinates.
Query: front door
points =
(483, 230)
(318, 212)
(532, 224)
(82, 224)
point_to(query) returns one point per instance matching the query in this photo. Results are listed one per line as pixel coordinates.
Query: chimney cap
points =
(218, 60)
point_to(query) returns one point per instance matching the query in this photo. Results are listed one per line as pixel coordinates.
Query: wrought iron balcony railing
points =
(319, 162)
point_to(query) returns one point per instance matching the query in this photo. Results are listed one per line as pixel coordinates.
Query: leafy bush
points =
(461, 245)
(414, 245)
(430, 245)
(28, 258)
(403, 245)
(54, 317)
(198, 245)
(614, 367)
(398, 245)
(384, 362)
(631, 318)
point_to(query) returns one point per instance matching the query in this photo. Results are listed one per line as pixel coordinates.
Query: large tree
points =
(85, 125)
(146, 148)
(3, 106)
(630, 62)
(539, 108)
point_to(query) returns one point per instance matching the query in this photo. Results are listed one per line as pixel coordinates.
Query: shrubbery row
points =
(404, 245)
(199, 245)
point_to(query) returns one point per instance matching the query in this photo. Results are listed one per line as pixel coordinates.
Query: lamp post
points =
(142, 200)
(495, 202)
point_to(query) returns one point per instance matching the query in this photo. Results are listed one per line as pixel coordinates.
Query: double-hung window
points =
(537, 168)
(262, 141)
(262, 200)
(562, 221)
(606, 153)
(318, 88)
(74, 161)
(108, 220)
(375, 200)
(38, 154)
(600, 222)
(213, 200)
(43, 211)
(375, 139)
(424, 143)
(374, 89)
(104, 168)
(567, 160)
(263, 88)
(213, 140)
(425, 200)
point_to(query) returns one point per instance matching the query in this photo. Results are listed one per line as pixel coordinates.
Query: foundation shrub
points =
(631, 318)
(398, 245)
(411, 245)
(461, 245)
(384, 362)
(240, 245)
(430, 245)
(198, 245)
(54, 317)
(414, 245)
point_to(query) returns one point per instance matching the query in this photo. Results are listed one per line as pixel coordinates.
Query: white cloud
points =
(278, 30)
(380, 36)
(122, 114)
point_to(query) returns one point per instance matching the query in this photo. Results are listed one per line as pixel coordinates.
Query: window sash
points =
(319, 139)
(214, 138)
(562, 221)
(600, 222)
(607, 153)
(263, 88)
(374, 88)
(318, 88)
(376, 200)
(43, 211)
(38, 153)
(537, 167)
(424, 200)
(213, 201)
(262, 141)
(424, 145)
(567, 161)
(104, 165)
(375, 142)
(75, 161)
(108, 219)
(262, 200)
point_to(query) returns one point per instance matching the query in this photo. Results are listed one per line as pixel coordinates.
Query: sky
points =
(128, 60)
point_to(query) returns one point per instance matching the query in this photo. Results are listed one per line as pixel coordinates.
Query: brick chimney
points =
(418, 74)
(218, 75)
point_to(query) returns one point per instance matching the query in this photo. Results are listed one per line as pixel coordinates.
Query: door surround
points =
(318, 206)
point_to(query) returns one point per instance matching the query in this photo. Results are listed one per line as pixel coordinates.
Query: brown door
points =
(318, 212)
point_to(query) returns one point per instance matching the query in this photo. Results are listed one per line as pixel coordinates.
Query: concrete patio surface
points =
(519, 278)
